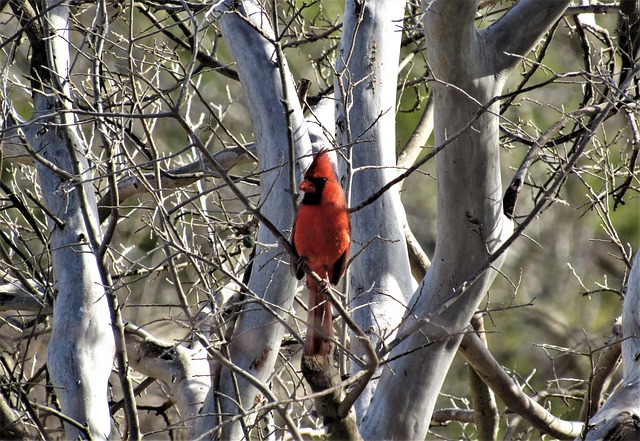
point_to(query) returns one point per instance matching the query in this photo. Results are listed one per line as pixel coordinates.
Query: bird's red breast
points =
(322, 228)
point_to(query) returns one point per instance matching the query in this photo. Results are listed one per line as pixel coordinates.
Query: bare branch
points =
(478, 356)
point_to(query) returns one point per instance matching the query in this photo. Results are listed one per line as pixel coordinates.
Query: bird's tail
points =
(319, 322)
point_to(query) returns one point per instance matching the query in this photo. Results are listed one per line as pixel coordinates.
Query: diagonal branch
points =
(482, 361)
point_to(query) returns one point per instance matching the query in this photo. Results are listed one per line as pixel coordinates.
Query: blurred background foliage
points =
(547, 315)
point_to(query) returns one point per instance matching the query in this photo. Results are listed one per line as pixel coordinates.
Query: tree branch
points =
(176, 178)
(520, 28)
(479, 357)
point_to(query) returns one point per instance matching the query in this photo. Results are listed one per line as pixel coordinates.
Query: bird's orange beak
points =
(307, 186)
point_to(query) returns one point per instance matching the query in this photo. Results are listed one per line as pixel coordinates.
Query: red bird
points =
(322, 236)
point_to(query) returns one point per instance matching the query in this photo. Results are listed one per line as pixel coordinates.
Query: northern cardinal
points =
(322, 236)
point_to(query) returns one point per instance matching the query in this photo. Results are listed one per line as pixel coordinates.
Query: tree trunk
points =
(470, 67)
(379, 280)
(259, 331)
(81, 350)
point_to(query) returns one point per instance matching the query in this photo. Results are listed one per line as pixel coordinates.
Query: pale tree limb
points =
(485, 409)
(470, 67)
(443, 416)
(418, 138)
(366, 72)
(80, 353)
(619, 417)
(413, 148)
(603, 114)
(13, 296)
(479, 357)
(321, 125)
(418, 259)
(176, 178)
(99, 239)
(185, 371)
(257, 336)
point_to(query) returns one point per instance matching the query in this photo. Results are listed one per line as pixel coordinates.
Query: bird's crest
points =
(321, 166)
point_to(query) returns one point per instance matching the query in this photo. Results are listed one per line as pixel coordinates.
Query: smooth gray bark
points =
(258, 332)
(185, 371)
(367, 69)
(81, 350)
(470, 67)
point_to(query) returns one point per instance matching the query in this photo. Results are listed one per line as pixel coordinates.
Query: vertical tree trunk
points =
(258, 332)
(367, 70)
(81, 349)
(470, 67)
